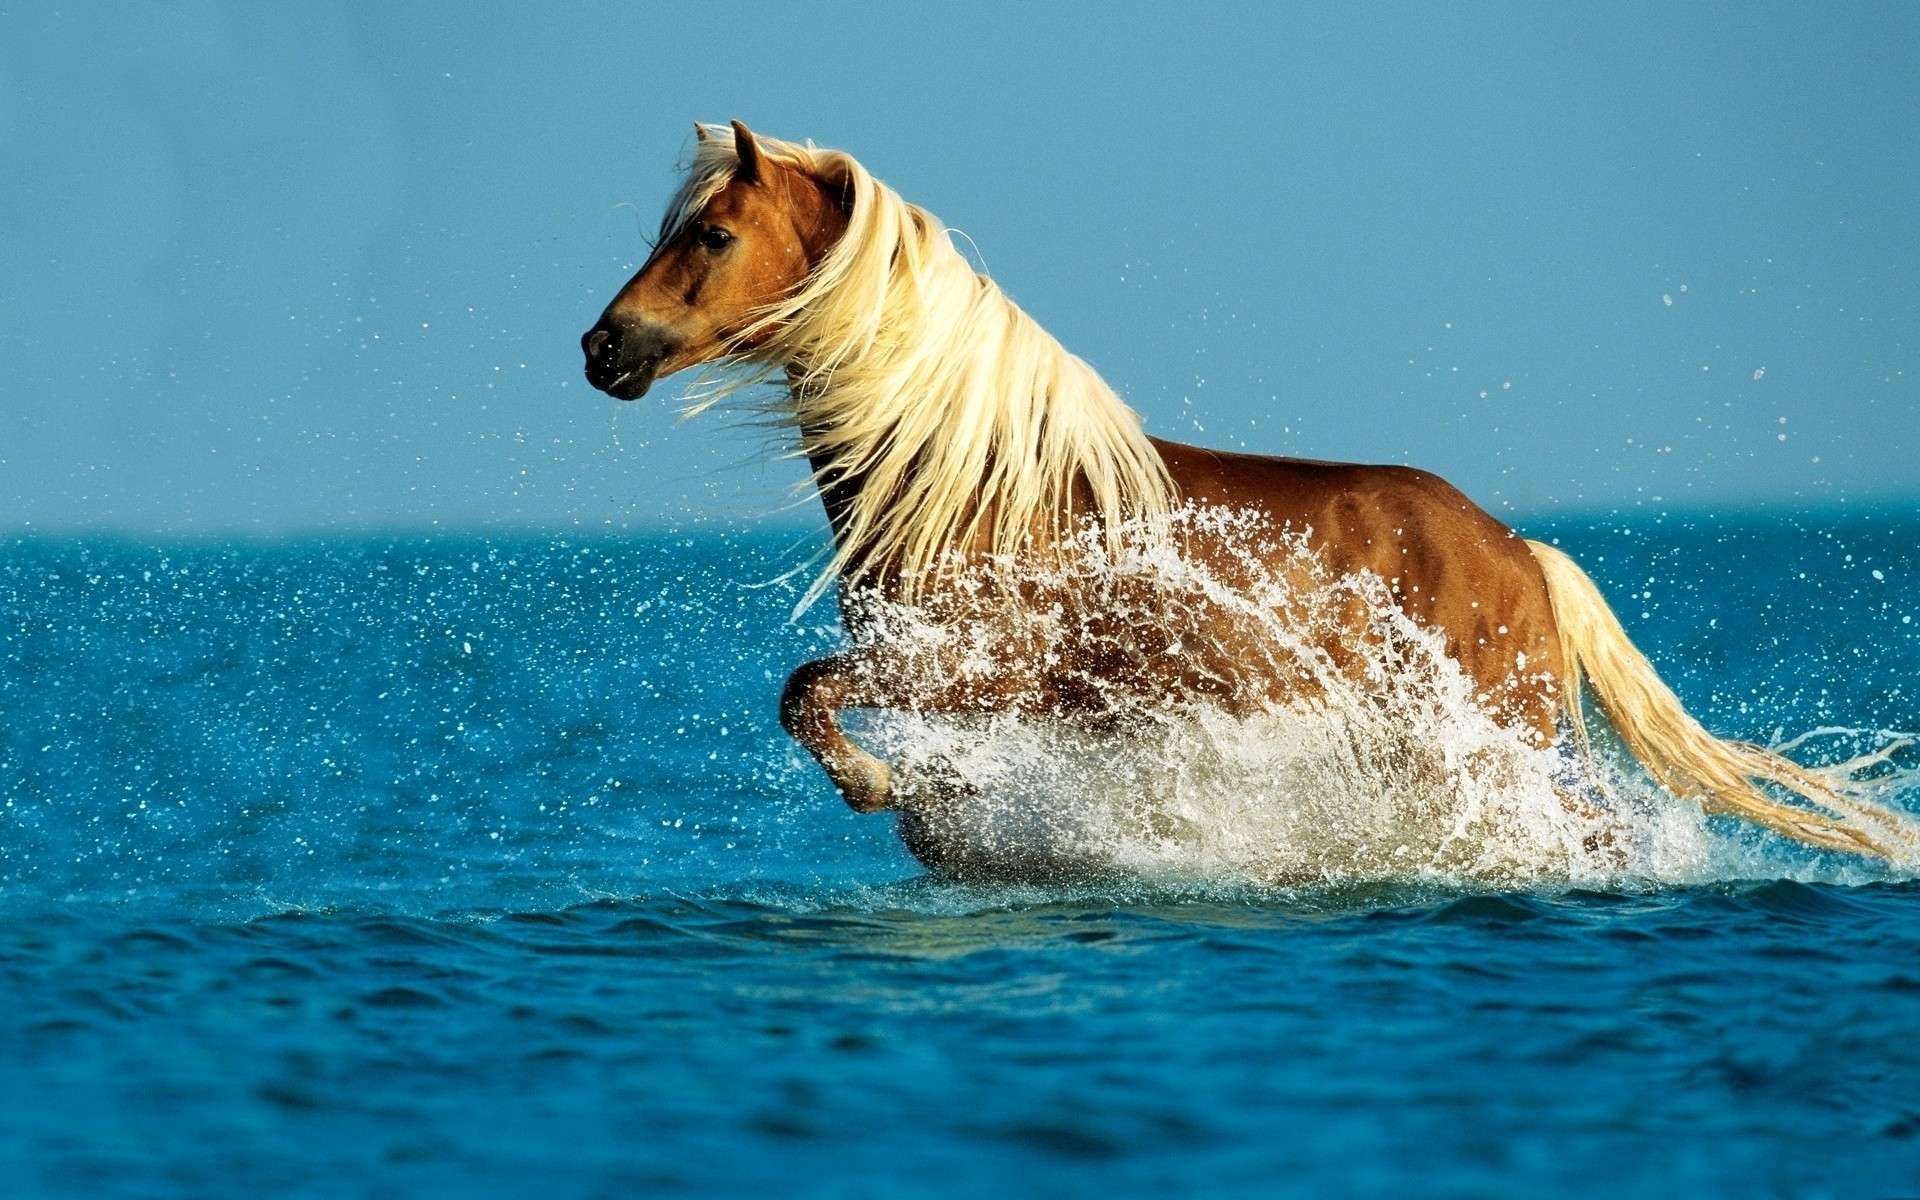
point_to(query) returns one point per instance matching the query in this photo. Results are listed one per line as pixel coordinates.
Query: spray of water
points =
(1379, 767)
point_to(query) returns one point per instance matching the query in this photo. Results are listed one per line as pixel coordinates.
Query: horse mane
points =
(962, 424)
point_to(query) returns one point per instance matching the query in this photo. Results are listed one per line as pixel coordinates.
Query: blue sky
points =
(276, 269)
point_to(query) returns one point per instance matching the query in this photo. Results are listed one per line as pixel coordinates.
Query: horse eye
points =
(713, 238)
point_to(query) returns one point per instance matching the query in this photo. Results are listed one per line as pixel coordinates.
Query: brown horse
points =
(950, 436)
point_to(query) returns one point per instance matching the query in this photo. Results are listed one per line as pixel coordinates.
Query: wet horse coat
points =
(950, 436)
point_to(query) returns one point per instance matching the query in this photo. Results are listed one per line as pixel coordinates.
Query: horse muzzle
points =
(623, 358)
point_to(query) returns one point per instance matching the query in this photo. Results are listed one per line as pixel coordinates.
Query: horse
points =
(948, 434)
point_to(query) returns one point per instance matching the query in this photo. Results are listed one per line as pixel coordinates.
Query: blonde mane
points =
(967, 427)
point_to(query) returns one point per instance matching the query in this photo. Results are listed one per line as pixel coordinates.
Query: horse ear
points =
(749, 152)
(700, 133)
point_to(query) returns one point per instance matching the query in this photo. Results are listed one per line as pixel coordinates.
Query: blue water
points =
(482, 868)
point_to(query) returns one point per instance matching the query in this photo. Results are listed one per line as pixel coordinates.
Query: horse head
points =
(740, 241)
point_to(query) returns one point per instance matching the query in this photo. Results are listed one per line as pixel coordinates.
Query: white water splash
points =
(1389, 774)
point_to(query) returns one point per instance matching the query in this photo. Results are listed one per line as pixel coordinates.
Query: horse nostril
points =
(600, 342)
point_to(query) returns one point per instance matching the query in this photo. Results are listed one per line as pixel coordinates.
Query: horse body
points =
(1448, 564)
(1445, 562)
(971, 469)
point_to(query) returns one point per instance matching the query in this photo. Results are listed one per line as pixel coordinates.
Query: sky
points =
(272, 270)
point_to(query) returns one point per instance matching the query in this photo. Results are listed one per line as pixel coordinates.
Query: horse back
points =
(1449, 564)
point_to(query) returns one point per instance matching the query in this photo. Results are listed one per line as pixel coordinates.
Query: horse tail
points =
(1722, 776)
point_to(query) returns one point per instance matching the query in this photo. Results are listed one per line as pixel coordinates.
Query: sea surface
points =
(482, 868)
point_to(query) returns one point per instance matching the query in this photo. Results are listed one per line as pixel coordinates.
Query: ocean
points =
(481, 867)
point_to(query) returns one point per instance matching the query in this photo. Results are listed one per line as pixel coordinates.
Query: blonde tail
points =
(1692, 763)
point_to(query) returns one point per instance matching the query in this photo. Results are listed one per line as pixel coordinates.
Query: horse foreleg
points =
(809, 710)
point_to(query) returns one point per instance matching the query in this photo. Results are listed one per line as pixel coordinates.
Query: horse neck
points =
(838, 488)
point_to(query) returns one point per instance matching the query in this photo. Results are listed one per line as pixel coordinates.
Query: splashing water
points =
(1385, 768)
